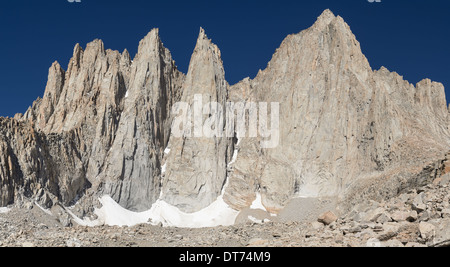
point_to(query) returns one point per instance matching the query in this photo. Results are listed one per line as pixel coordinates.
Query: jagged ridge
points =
(103, 125)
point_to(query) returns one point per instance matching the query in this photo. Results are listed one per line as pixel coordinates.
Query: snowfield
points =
(4, 210)
(257, 204)
(112, 214)
(216, 214)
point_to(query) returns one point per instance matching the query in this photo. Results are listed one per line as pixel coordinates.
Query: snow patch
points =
(83, 222)
(126, 94)
(253, 219)
(233, 160)
(112, 214)
(4, 210)
(163, 168)
(217, 214)
(48, 212)
(257, 204)
(235, 154)
(161, 212)
(167, 151)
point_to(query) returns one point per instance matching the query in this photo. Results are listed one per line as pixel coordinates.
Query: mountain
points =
(342, 123)
(339, 129)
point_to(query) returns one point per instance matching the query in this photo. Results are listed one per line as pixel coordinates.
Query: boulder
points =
(427, 230)
(327, 218)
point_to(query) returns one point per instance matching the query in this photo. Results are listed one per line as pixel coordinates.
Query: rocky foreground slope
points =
(347, 133)
(417, 218)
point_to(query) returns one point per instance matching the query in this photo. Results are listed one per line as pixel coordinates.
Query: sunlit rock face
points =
(105, 127)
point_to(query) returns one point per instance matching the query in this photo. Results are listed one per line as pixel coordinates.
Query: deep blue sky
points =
(410, 37)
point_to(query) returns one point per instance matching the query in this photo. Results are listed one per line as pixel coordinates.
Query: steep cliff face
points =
(117, 112)
(132, 168)
(107, 126)
(46, 167)
(83, 106)
(196, 165)
(339, 119)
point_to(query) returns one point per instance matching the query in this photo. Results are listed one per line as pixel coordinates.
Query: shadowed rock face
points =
(117, 112)
(104, 125)
(132, 169)
(197, 166)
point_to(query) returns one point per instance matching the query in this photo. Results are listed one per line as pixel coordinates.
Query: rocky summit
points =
(360, 153)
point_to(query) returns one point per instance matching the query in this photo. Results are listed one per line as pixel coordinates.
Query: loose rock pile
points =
(417, 218)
